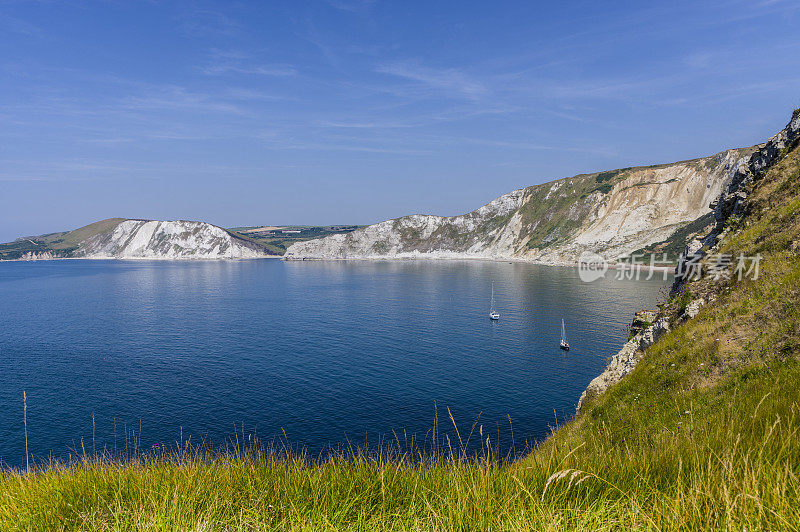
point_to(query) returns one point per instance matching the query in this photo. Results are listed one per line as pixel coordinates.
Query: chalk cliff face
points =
(148, 239)
(613, 213)
(118, 238)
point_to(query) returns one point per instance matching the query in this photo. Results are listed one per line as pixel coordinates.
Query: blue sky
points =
(348, 111)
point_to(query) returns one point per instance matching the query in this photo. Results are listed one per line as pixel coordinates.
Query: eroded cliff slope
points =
(613, 213)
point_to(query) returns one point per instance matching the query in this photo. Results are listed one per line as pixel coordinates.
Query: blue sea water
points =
(325, 352)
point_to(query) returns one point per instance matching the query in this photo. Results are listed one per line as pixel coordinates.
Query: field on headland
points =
(278, 238)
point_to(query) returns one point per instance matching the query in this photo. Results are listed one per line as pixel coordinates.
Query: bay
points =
(314, 353)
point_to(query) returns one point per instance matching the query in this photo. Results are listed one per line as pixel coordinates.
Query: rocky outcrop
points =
(642, 320)
(149, 239)
(644, 334)
(38, 255)
(612, 213)
(732, 201)
(625, 361)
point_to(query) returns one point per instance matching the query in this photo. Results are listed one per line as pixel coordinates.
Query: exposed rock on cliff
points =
(37, 255)
(613, 213)
(750, 168)
(731, 203)
(623, 362)
(118, 238)
(168, 240)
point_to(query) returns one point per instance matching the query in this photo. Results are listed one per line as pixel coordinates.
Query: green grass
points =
(58, 244)
(606, 176)
(676, 243)
(254, 492)
(278, 242)
(703, 434)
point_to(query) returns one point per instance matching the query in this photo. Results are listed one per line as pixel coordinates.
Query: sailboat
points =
(493, 314)
(564, 345)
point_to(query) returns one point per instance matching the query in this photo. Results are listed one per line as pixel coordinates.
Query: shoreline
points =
(421, 257)
(160, 259)
(565, 264)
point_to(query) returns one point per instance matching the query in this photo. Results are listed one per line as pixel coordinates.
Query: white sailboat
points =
(493, 314)
(564, 345)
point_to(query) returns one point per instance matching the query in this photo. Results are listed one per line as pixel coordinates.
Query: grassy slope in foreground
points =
(702, 434)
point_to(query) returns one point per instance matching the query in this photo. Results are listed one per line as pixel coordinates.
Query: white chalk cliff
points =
(613, 213)
(149, 239)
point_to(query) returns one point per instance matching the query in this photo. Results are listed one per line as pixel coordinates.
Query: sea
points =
(139, 356)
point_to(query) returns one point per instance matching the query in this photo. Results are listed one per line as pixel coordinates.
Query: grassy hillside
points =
(703, 434)
(278, 238)
(59, 244)
(705, 431)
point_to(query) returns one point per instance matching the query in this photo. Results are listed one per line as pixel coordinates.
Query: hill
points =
(278, 238)
(613, 213)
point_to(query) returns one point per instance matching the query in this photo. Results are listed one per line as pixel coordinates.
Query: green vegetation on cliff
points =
(277, 238)
(673, 246)
(57, 244)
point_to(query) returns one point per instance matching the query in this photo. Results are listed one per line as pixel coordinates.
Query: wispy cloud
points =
(20, 26)
(588, 147)
(701, 59)
(311, 34)
(363, 125)
(208, 23)
(95, 169)
(176, 98)
(449, 80)
(262, 70)
(225, 62)
(353, 6)
(333, 147)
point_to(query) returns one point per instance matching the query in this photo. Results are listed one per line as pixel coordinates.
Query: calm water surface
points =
(325, 351)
